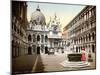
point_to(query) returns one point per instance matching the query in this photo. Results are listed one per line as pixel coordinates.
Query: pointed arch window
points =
(29, 38)
(89, 37)
(38, 38)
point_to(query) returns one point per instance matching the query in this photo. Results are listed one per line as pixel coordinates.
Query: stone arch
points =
(38, 49)
(76, 49)
(29, 50)
(89, 37)
(46, 50)
(38, 37)
(29, 37)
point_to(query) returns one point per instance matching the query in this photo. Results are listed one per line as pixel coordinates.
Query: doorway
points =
(38, 50)
(29, 50)
(46, 50)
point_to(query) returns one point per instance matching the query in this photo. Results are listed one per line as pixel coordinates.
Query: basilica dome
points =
(37, 17)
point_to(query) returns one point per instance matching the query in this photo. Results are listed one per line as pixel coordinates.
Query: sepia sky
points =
(65, 12)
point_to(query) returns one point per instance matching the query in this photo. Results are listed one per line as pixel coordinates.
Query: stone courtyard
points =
(45, 63)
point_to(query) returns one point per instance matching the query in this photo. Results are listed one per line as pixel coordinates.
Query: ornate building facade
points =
(81, 31)
(43, 38)
(19, 25)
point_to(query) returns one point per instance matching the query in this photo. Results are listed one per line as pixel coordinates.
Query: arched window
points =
(76, 49)
(38, 38)
(29, 37)
(89, 37)
(46, 38)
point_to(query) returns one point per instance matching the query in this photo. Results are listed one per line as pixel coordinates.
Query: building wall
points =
(37, 39)
(65, 41)
(43, 43)
(18, 29)
(82, 31)
(49, 35)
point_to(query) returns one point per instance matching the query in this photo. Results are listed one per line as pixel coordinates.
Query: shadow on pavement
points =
(23, 64)
(40, 66)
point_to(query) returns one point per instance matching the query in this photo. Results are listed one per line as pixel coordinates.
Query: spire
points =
(38, 9)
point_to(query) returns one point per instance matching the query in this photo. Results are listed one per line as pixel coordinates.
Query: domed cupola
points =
(37, 17)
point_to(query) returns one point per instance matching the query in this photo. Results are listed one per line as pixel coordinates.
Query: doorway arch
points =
(46, 50)
(38, 50)
(29, 50)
